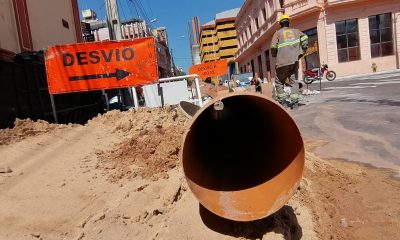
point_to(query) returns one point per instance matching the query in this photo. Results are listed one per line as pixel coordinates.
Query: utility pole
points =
(113, 21)
(114, 29)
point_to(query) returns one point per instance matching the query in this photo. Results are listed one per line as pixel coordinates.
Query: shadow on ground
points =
(282, 222)
(386, 102)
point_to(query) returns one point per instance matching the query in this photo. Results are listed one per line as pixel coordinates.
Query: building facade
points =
(27, 27)
(349, 35)
(131, 29)
(164, 58)
(218, 37)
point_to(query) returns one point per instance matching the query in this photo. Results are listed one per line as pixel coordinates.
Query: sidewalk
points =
(354, 77)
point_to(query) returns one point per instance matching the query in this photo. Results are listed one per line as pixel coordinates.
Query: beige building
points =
(218, 37)
(349, 35)
(32, 25)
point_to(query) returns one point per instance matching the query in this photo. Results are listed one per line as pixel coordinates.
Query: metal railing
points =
(196, 80)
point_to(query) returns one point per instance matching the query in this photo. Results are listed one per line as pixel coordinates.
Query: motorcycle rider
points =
(288, 46)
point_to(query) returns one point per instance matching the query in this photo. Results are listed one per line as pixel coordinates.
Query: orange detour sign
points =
(210, 69)
(101, 65)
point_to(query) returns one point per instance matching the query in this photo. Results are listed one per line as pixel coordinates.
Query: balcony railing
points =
(294, 7)
(228, 52)
(226, 34)
(213, 40)
(340, 1)
(225, 26)
(227, 43)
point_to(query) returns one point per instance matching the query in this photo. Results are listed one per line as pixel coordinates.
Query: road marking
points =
(375, 83)
(352, 87)
(397, 79)
(390, 76)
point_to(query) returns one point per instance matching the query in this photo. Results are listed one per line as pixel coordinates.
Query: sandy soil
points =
(119, 177)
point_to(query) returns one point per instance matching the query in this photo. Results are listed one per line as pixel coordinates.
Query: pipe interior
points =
(246, 144)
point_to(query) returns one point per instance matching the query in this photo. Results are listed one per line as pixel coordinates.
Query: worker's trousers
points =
(290, 72)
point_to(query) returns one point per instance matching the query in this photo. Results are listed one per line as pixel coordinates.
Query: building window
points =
(380, 33)
(267, 61)
(257, 25)
(347, 40)
(65, 23)
(271, 6)
(250, 30)
(311, 57)
(260, 71)
(281, 3)
(264, 14)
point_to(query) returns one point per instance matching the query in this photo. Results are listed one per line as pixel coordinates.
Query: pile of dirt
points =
(329, 189)
(152, 141)
(119, 177)
(26, 128)
(349, 200)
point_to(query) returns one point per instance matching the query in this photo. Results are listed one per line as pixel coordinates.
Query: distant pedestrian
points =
(288, 46)
(256, 81)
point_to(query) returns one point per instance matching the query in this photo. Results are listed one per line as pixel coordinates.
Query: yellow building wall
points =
(219, 42)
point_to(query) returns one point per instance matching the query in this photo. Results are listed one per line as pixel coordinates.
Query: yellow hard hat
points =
(284, 17)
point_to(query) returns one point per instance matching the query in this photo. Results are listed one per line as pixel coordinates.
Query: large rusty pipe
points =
(243, 162)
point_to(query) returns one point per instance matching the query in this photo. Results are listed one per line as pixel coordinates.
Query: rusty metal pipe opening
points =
(245, 161)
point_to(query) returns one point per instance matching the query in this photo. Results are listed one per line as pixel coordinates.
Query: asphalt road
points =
(357, 117)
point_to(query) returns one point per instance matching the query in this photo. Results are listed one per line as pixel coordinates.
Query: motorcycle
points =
(317, 74)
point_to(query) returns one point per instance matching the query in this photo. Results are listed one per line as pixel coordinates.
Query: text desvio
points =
(97, 56)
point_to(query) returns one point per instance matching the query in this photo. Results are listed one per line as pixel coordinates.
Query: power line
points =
(140, 25)
(134, 5)
(120, 7)
(151, 11)
(143, 11)
(102, 5)
(130, 9)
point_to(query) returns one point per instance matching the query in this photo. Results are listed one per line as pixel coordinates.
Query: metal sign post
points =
(135, 97)
(196, 80)
(320, 84)
(105, 95)
(53, 107)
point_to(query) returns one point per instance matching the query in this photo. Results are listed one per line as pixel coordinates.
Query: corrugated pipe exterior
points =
(243, 162)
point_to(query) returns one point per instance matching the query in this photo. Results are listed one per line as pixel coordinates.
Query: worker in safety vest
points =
(288, 46)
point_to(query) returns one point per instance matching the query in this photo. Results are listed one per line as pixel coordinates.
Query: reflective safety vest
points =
(288, 45)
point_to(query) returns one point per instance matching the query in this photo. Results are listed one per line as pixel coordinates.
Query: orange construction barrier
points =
(210, 69)
(101, 65)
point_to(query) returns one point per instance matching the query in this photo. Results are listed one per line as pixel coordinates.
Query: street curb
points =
(365, 75)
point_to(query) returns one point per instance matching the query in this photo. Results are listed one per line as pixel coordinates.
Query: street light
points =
(148, 26)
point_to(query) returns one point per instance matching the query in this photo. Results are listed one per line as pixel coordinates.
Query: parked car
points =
(243, 79)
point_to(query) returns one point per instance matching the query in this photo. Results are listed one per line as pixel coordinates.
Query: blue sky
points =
(174, 15)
